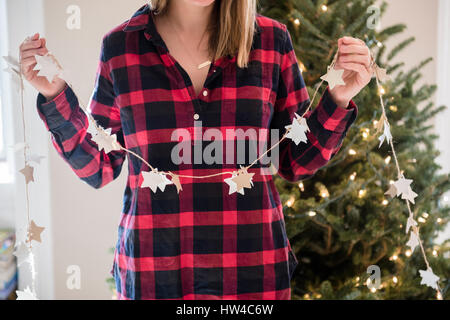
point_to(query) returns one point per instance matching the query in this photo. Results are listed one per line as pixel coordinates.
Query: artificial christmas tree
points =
(340, 221)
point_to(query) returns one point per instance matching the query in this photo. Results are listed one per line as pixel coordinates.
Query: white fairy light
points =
(351, 152)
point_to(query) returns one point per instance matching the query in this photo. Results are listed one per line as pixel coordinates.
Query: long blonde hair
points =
(231, 27)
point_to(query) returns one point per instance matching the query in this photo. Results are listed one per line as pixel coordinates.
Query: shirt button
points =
(196, 116)
(205, 93)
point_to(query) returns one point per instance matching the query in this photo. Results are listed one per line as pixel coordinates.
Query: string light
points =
(290, 202)
(362, 193)
(351, 152)
(375, 122)
(435, 253)
(381, 90)
(445, 199)
(324, 8)
(393, 108)
(425, 215)
(301, 186)
(365, 133)
(353, 176)
(394, 257)
(438, 296)
(408, 253)
(421, 220)
(387, 160)
(311, 213)
(384, 202)
(395, 280)
(297, 22)
(438, 220)
(324, 193)
(373, 290)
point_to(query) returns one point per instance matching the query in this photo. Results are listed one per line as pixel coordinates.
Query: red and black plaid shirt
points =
(201, 243)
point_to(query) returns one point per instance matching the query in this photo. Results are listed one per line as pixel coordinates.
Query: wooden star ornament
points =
(392, 191)
(176, 182)
(27, 171)
(386, 134)
(243, 179)
(413, 241)
(105, 140)
(403, 188)
(381, 73)
(34, 232)
(334, 77)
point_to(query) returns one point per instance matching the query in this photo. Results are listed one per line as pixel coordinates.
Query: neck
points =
(189, 18)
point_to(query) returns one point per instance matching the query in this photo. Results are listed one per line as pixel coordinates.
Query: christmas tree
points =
(339, 221)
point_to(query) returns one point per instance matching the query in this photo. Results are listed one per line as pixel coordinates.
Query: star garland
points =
(240, 179)
(23, 248)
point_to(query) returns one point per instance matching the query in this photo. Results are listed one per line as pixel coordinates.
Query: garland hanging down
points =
(239, 179)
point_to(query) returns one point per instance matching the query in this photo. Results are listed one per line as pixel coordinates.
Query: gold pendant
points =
(204, 64)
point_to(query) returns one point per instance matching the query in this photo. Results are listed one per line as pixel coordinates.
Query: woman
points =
(172, 64)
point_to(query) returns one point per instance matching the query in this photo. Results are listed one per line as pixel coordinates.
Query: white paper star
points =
(298, 130)
(22, 252)
(334, 77)
(26, 294)
(403, 187)
(413, 241)
(429, 278)
(105, 140)
(386, 134)
(47, 67)
(155, 180)
(233, 185)
(13, 65)
(410, 223)
(19, 146)
(36, 158)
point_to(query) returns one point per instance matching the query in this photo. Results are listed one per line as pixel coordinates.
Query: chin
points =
(203, 3)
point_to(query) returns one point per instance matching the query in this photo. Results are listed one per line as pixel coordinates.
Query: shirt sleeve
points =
(328, 123)
(68, 125)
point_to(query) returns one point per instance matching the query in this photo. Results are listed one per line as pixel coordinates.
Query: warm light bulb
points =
(408, 253)
(393, 108)
(379, 44)
(311, 213)
(381, 90)
(384, 202)
(362, 193)
(365, 135)
(324, 8)
(297, 22)
(301, 186)
(394, 257)
(421, 220)
(290, 202)
(387, 160)
(425, 215)
(439, 296)
(351, 152)
(375, 122)
(373, 290)
(353, 176)
(438, 220)
(394, 279)
(435, 253)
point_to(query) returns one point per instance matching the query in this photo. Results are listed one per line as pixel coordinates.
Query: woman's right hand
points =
(29, 48)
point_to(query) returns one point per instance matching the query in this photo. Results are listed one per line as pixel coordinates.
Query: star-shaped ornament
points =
(23, 253)
(381, 74)
(154, 180)
(105, 140)
(176, 182)
(386, 134)
(27, 171)
(26, 294)
(413, 241)
(297, 130)
(233, 185)
(392, 191)
(334, 77)
(36, 158)
(403, 188)
(380, 124)
(429, 278)
(410, 223)
(34, 232)
(47, 66)
(243, 179)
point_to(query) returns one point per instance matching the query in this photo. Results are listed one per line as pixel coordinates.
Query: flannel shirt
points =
(201, 243)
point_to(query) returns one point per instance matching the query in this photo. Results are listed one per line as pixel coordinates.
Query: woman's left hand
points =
(354, 57)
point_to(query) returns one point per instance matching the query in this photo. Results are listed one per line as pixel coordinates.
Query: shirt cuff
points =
(57, 111)
(335, 118)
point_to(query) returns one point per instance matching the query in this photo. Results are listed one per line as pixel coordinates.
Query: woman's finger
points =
(351, 40)
(30, 44)
(356, 67)
(28, 63)
(361, 59)
(354, 49)
(31, 52)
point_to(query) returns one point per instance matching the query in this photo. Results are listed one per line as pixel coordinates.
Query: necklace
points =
(198, 66)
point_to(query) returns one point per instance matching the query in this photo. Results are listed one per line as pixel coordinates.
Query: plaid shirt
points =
(201, 243)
